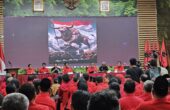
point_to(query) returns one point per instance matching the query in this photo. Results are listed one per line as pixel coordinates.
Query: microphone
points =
(9, 62)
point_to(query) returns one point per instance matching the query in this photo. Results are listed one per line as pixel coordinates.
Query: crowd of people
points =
(137, 90)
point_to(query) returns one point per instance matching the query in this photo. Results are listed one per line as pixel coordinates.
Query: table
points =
(23, 78)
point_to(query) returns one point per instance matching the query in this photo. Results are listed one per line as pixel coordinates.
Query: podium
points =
(12, 70)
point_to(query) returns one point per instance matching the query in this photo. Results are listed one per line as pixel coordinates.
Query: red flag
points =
(2, 61)
(147, 56)
(163, 55)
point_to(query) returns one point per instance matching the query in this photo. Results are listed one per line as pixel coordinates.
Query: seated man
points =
(43, 97)
(28, 90)
(15, 101)
(105, 100)
(29, 69)
(159, 92)
(55, 69)
(119, 67)
(43, 69)
(146, 96)
(92, 68)
(67, 68)
(80, 100)
(130, 101)
(103, 67)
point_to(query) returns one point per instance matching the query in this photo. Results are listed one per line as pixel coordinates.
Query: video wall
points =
(72, 41)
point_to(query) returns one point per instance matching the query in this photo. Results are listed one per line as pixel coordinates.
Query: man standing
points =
(134, 71)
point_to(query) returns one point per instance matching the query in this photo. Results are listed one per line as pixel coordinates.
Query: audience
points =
(10, 88)
(147, 88)
(1, 99)
(43, 97)
(130, 101)
(153, 72)
(159, 92)
(104, 100)
(80, 100)
(15, 101)
(133, 91)
(29, 91)
(134, 71)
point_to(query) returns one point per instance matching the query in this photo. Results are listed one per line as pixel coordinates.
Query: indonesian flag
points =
(2, 61)
(70, 23)
(163, 55)
(147, 56)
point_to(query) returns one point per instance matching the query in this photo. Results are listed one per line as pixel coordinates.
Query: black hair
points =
(16, 83)
(66, 78)
(36, 83)
(28, 90)
(129, 86)
(10, 88)
(153, 63)
(29, 65)
(115, 86)
(104, 100)
(31, 77)
(82, 86)
(113, 79)
(1, 99)
(86, 77)
(99, 79)
(45, 85)
(144, 77)
(80, 100)
(75, 79)
(133, 61)
(43, 63)
(160, 87)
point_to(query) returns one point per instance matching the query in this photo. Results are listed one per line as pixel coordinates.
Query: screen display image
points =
(72, 41)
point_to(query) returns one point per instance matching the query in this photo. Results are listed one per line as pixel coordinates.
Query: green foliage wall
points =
(57, 8)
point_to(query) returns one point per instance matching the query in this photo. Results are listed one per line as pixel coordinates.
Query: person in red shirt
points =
(130, 101)
(159, 92)
(146, 96)
(67, 68)
(29, 69)
(64, 91)
(43, 97)
(139, 86)
(92, 68)
(91, 85)
(119, 67)
(28, 90)
(43, 69)
(100, 85)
